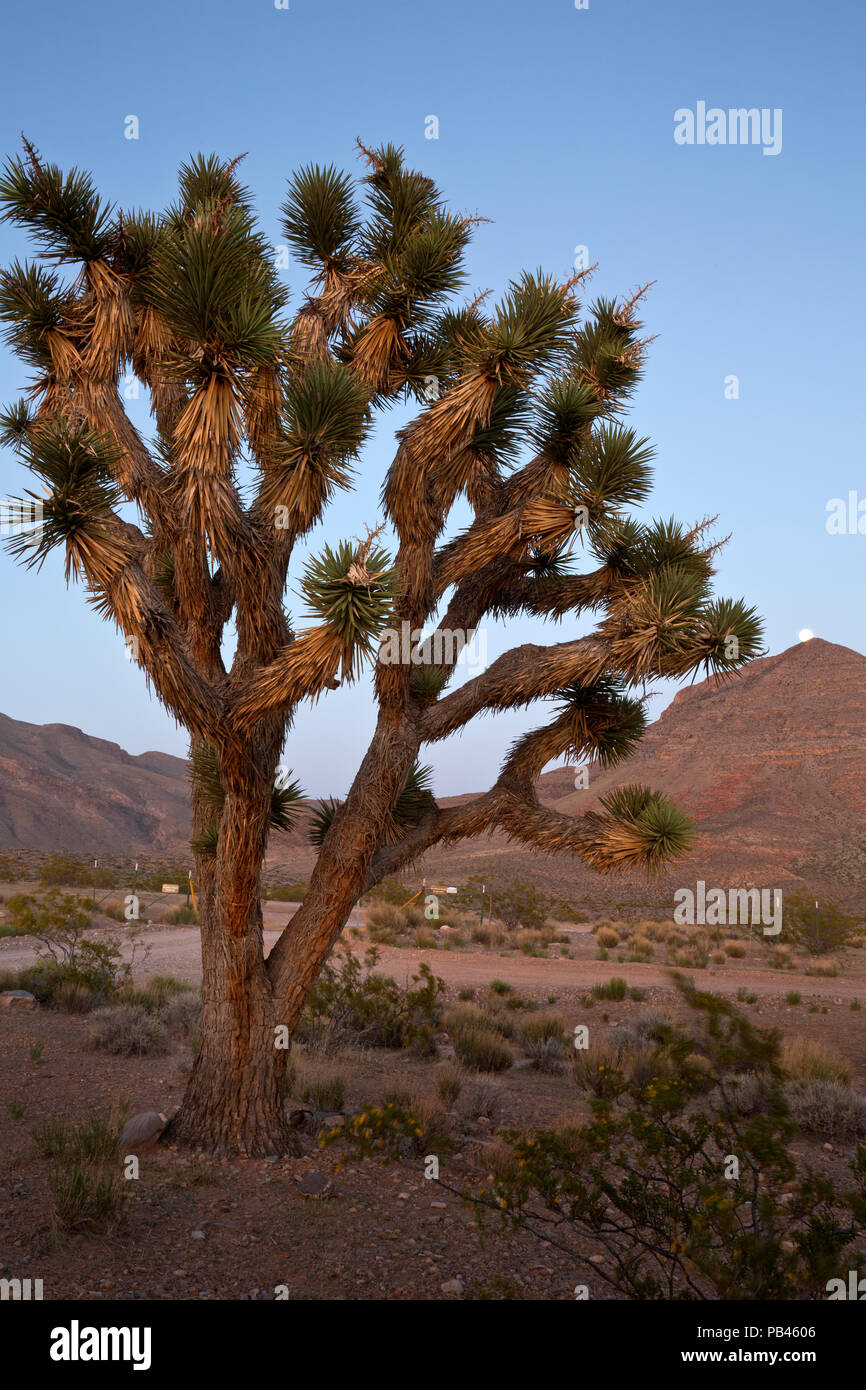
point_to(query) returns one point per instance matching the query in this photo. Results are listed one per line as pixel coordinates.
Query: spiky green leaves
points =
(326, 419)
(321, 820)
(32, 303)
(607, 354)
(209, 182)
(731, 633)
(416, 798)
(564, 411)
(352, 590)
(213, 281)
(204, 775)
(602, 720)
(285, 799)
(413, 803)
(320, 219)
(325, 422)
(15, 421)
(637, 829)
(610, 470)
(63, 213)
(531, 329)
(76, 465)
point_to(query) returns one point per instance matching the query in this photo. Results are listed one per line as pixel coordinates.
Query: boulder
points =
(142, 1130)
(18, 999)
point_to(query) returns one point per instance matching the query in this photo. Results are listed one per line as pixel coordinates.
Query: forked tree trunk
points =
(234, 1098)
(234, 1101)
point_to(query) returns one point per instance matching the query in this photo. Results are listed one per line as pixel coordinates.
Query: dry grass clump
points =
(735, 949)
(827, 1108)
(127, 1030)
(805, 1059)
(607, 938)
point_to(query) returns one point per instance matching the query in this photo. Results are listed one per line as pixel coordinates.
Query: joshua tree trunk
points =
(234, 1099)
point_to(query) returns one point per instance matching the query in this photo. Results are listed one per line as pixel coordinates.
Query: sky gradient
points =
(558, 125)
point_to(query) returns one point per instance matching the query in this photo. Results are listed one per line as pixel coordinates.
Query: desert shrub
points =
(516, 903)
(127, 1030)
(74, 873)
(463, 1016)
(566, 913)
(482, 1099)
(823, 967)
(182, 916)
(481, 1049)
(60, 922)
(718, 957)
(390, 890)
(827, 1108)
(114, 908)
(488, 934)
(641, 946)
(595, 1068)
(500, 987)
(326, 1093)
(425, 940)
(690, 957)
(182, 1013)
(547, 1054)
(73, 998)
(352, 1002)
(805, 1059)
(607, 937)
(542, 1028)
(647, 1176)
(615, 989)
(285, 892)
(86, 1196)
(449, 1084)
(386, 917)
(9, 869)
(735, 949)
(390, 1131)
(162, 988)
(817, 929)
(793, 996)
(84, 1180)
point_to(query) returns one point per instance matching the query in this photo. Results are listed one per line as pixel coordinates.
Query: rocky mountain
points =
(769, 764)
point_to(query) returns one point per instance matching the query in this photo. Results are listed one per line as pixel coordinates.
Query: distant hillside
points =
(770, 765)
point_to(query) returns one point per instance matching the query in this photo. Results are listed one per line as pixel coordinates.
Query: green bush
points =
(649, 1176)
(817, 929)
(481, 1049)
(67, 955)
(351, 1002)
(615, 989)
(182, 916)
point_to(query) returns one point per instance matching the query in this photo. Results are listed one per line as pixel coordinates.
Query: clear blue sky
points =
(557, 124)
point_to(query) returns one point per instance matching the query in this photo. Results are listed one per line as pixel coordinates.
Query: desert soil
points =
(200, 1228)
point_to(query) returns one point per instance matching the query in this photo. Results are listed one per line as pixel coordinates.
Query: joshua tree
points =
(519, 412)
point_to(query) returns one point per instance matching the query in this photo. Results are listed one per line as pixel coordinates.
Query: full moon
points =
(805, 634)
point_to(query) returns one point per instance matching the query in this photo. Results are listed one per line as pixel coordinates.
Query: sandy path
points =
(175, 951)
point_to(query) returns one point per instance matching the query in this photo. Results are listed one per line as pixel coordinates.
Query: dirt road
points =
(176, 951)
